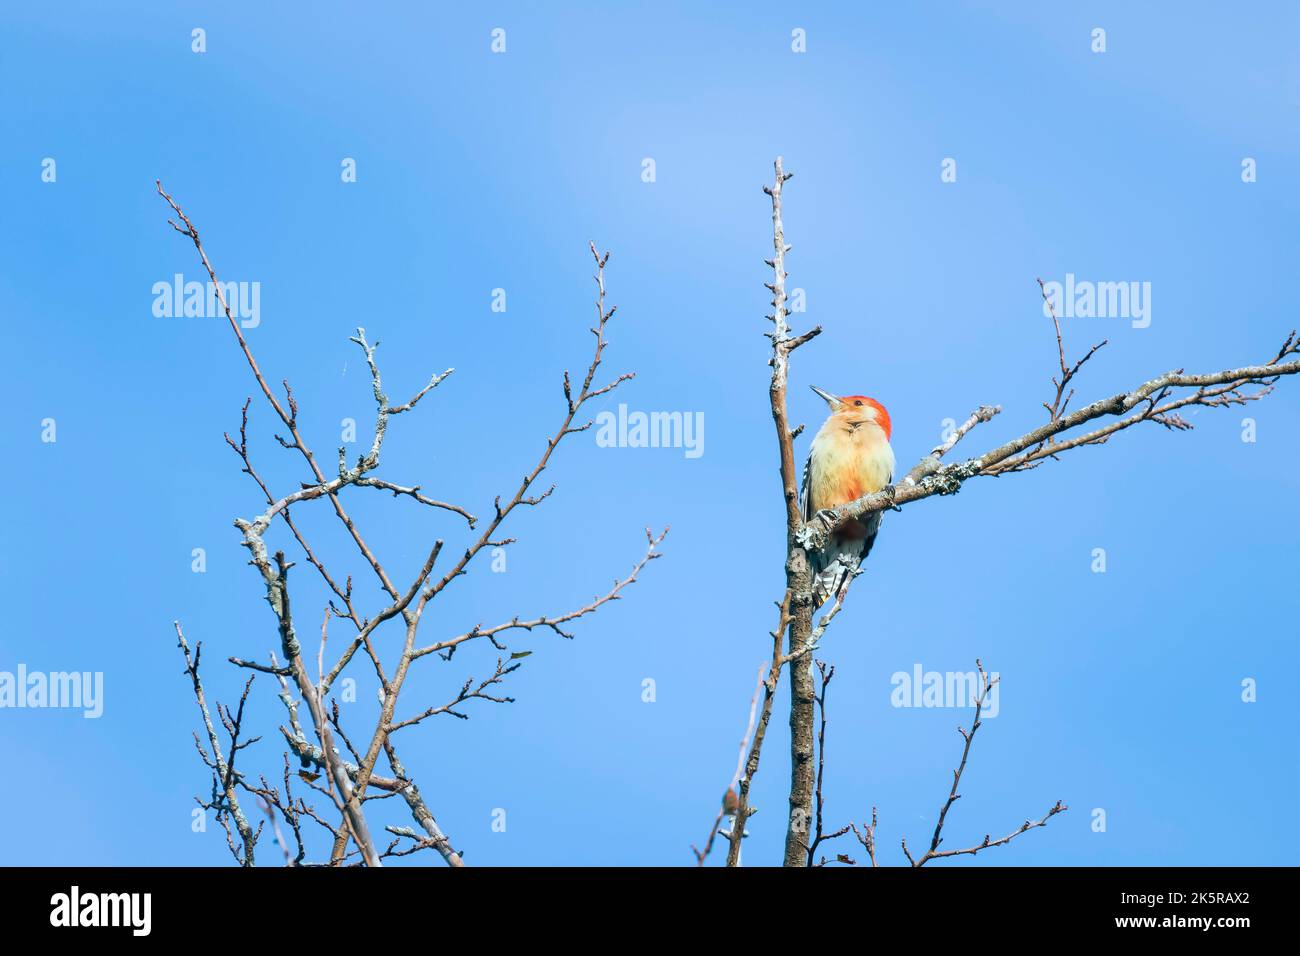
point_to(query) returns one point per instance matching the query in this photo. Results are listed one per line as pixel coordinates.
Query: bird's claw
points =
(814, 535)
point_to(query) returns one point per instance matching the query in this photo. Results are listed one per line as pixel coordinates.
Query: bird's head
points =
(856, 410)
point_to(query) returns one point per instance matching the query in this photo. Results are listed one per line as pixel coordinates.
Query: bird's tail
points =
(834, 567)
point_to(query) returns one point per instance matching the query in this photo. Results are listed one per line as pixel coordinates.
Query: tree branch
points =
(1212, 390)
(934, 853)
(730, 799)
(225, 800)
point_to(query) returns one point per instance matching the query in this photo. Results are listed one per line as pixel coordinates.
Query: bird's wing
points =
(833, 567)
(873, 525)
(804, 494)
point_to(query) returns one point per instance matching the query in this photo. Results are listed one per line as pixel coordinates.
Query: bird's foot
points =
(814, 535)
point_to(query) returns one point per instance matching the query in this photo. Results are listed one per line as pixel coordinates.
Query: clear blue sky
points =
(1121, 690)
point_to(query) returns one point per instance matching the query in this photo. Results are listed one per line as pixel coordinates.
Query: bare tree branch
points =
(730, 799)
(934, 853)
(867, 836)
(1158, 400)
(554, 622)
(503, 668)
(346, 782)
(225, 800)
(1211, 390)
(819, 835)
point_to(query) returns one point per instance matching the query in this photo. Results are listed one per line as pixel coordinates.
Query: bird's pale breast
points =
(847, 464)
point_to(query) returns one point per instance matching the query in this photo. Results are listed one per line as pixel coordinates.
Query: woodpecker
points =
(850, 457)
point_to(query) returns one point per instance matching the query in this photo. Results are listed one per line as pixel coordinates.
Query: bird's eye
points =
(857, 403)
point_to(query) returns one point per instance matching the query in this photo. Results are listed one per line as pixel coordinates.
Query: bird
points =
(850, 457)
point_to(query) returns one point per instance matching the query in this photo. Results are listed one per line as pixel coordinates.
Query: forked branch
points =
(346, 782)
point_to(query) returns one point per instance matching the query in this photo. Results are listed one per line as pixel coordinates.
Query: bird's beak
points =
(830, 399)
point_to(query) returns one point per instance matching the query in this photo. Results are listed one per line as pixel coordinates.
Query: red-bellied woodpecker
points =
(850, 457)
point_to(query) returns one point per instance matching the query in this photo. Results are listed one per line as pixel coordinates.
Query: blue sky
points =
(1120, 691)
